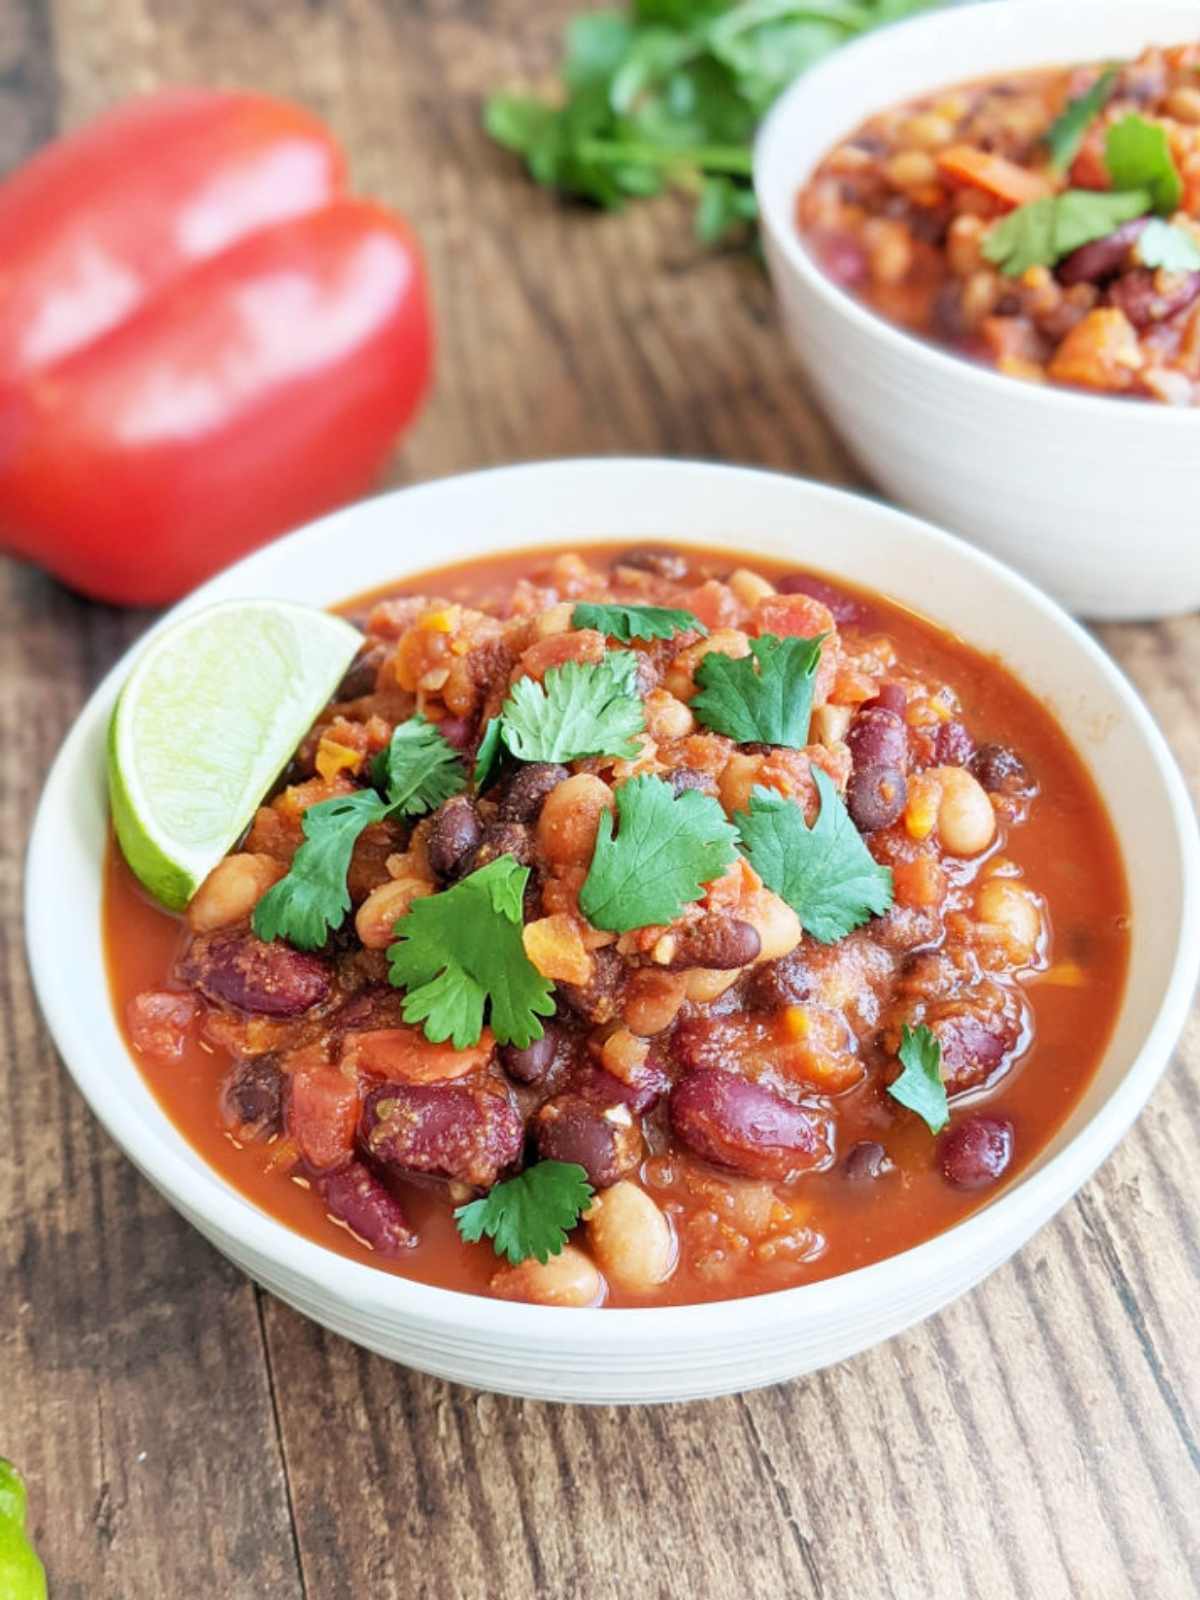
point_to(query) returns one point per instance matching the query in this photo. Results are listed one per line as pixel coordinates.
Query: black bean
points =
(606, 1143)
(786, 982)
(662, 561)
(531, 1064)
(683, 778)
(867, 1160)
(875, 797)
(1102, 258)
(503, 839)
(716, 941)
(976, 1152)
(252, 1098)
(453, 834)
(1001, 771)
(953, 746)
(525, 792)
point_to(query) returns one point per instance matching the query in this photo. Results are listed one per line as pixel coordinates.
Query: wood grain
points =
(182, 1432)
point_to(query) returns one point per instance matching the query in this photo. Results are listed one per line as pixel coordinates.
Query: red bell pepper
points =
(203, 341)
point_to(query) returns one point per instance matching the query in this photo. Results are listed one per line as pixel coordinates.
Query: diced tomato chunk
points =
(405, 1055)
(159, 1022)
(322, 1115)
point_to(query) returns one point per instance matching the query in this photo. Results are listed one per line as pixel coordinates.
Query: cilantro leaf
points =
(1137, 154)
(418, 770)
(666, 849)
(764, 697)
(920, 1086)
(1066, 133)
(1046, 230)
(582, 709)
(825, 873)
(313, 899)
(1166, 245)
(636, 622)
(487, 755)
(461, 949)
(531, 1214)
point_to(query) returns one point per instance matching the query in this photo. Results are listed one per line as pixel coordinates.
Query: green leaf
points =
(1044, 231)
(825, 873)
(766, 697)
(920, 1086)
(626, 623)
(582, 709)
(313, 899)
(531, 1214)
(487, 755)
(1067, 132)
(1166, 245)
(667, 848)
(418, 770)
(462, 948)
(1137, 154)
(597, 43)
(725, 207)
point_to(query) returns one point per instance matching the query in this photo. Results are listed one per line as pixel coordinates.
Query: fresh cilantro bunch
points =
(416, 772)
(531, 1214)
(582, 709)
(461, 950)
(825, 873)
(1145, 179)
(920, 1086)
(672, 92)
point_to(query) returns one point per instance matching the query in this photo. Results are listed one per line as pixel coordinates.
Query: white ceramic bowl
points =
(1092, 497)
(674, 1353)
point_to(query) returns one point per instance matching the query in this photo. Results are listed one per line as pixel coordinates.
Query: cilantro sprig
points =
(582, 709)
(626, 623)
(1138, 155)
(531, 1214)
(666, 848)
(1067, 132)
(825, 873)
(763, 697)
(416, 772)
(461, 950)
(920, 1086)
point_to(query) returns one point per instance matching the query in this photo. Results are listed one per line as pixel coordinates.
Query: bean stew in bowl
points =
(737, 882)
(742, 925)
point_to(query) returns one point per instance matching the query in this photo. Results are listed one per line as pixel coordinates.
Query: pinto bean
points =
(375, 920)
(845, 608)
(1001, 771)
(234, 968)
(525, 792)
(468, 1134)
(454, 834)
(570, 819)
(606, 1143)
(1145, 299)
(661, 560)
(631, 1238)
(355, 1196)
(717, 941)
(976, 1152)
(1102, 258)
(875, 797)
(567, 1279)
(232, 890)
(735, 1123)
(531, 1064)
(252, 1098)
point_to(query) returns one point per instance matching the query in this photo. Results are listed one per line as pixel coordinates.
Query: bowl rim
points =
(987, 1235)
(862, 54)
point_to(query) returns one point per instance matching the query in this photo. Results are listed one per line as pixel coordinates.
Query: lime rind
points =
(209, 717)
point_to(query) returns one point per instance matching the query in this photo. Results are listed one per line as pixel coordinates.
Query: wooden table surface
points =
(184, 1433)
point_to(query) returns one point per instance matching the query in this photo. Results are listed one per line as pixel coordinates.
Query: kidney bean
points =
(1138, 295)
(355, 1196)
(458, 731)
(1001, 771)
(684, 778)
(717, 941)
(454, 834)
(361, 674)
(523, 794)
(375, 1006)
(976, 1152)
(974, 1045)
(844, 260)
(867, 1161)
(456, 1131)
(661, 560)
(252, 1098)
(605, 1142)
(599, 1000)
(641, 1091)
(1102, 258)
(953, 746)
(234, 968)
(891, 697)
(878, 738)
(503, 839)
(531, 1064)
(875, 797)
(786, 982)
(748, 1127)
(845, 608)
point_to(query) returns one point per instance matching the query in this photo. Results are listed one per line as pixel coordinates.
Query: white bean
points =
(631, 1237)
(966, 821)
(567, 1279)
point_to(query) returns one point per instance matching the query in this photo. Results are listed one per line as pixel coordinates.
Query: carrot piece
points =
(1015, 185)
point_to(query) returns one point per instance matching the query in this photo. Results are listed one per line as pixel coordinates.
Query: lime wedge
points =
(208, 719)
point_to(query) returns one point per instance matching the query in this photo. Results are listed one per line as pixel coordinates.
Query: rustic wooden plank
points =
(1039, 1437)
